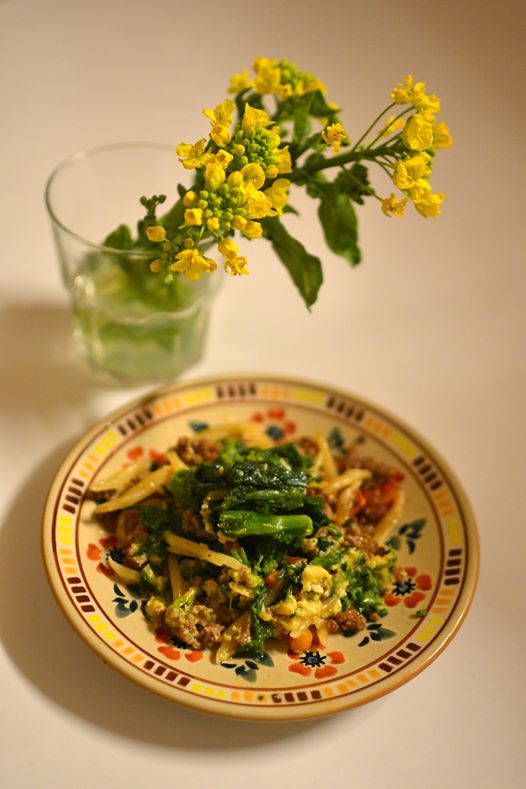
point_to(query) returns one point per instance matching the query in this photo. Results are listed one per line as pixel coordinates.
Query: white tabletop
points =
(431, 326)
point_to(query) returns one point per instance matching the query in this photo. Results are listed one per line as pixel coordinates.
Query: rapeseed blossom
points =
(239, 185)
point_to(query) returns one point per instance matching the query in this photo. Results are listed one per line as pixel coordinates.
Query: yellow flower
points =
(268, 75)
(424, 103)
(252, 230)
(405, 94)
(222, 114)
(239, 82)
(190, 199)
(193, 216)
(221, 118)
(220, 135)
(213, 224)
(234, 263)
(235, 180)
(278, 194)
(223, 158)
(228, 248)
(156, 233)
(271, 171)
(408, 171)
(281, 159)
(284, 91)
(443, 137)
(214, 176)
(192, 264)
(156, 265)
(239, 222)
(414, 93)
(334, 135)
(253, 173)
(430, 205)
(193, 156)
(420, 190)
(418, 133)
(258, 204)
(393, 207)
(254, 119)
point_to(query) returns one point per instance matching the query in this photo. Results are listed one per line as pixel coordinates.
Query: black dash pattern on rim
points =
(73, 495)
(80, 594)
(454, 567)
(427, 472)
(399, 657)
(235, 390)
(131, 424)
(345, 408)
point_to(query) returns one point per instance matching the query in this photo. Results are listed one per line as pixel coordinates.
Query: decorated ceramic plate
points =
(435, 543)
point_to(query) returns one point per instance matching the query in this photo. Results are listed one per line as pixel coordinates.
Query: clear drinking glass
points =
(127, 320)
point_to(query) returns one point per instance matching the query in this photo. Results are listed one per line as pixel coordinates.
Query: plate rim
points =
(300, 712)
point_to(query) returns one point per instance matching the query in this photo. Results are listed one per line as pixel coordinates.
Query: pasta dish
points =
(233, 539)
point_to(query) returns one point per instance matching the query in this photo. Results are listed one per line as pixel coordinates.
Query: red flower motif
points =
(169, 652)
(411, 590)
(194, 656)
(313, 661)
(135, 453)
(424, 582)
(93, 552)
(325, 671)
(413, 599)
(299, 668)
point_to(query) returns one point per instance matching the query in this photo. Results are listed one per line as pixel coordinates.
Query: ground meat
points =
(194, 451)
(364, 542)
(350, 620)
(295, 560)
(192, 526)
(195, 627)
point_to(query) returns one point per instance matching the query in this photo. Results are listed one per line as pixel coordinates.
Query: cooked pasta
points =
(234, 539)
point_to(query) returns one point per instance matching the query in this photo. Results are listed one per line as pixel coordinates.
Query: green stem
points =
(373, 124)
(341, 159)
(384, 130)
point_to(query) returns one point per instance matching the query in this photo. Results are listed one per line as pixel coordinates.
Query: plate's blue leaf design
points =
(247, 668)
(410, 532)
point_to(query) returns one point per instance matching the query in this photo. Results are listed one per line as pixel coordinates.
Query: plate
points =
(436, 543)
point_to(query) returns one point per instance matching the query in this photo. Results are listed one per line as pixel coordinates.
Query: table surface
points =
(431, 326)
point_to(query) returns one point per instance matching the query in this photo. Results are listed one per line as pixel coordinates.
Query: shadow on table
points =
(50, 655)
(41, 375)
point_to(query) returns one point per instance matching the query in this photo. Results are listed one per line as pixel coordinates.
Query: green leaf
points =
(301, 118)
(289, 209)
(339, 222)
(354, 181)
(319, 107)
(174, 218)
(305, 269)
(120, 238)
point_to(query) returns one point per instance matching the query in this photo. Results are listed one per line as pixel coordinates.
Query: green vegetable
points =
(330, 559)
(284, 528)
(365, 591)
(261, 631)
